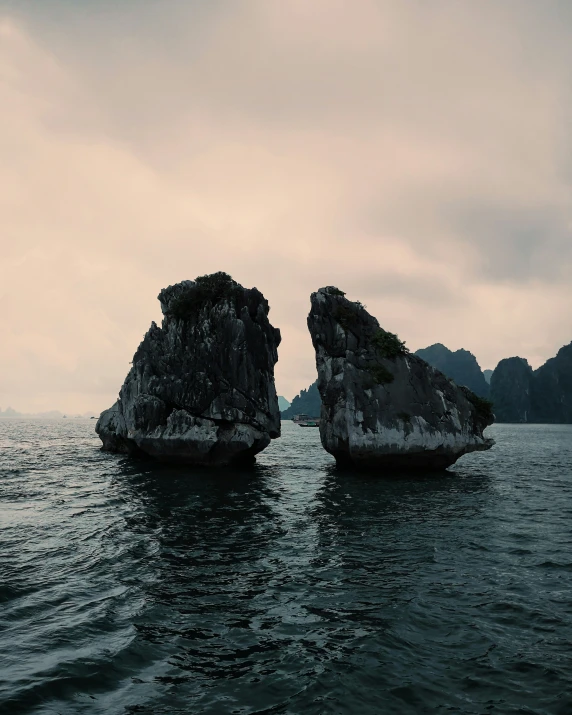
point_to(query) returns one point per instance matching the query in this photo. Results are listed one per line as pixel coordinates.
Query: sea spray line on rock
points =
(201, 387)
(383, 407)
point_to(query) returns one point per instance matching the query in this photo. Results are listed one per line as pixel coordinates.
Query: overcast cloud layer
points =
(415, 154)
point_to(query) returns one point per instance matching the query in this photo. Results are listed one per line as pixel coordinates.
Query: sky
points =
(415, 153)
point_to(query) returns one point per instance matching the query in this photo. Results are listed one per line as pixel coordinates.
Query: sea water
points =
(290, 587)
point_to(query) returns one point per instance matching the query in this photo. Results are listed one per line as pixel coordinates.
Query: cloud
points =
(416, 155)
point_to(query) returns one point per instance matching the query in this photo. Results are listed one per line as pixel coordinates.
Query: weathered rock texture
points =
(201, 389)
(383, 407)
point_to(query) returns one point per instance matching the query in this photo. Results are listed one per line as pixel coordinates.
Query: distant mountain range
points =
(50, 414)
(521, 394)
(461, 366)
(518, 393)
(283, 403)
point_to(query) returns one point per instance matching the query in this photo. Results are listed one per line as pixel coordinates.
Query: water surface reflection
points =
(287, 587)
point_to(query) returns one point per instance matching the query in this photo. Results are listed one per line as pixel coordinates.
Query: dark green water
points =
(289, 588)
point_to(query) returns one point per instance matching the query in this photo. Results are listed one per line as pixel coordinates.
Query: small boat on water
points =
(305, 421)
(300, 418)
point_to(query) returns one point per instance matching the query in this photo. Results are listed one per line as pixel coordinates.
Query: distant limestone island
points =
(49, 414)
(461, 366)
(521, 394)
(201, 387)
(517, 392)
(308, 402)
(283, 403)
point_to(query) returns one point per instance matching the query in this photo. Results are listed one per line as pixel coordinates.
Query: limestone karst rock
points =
(552, 389)
(511, 390)
(201, 388)
(543, 395)
(383, 407)
(307, 402)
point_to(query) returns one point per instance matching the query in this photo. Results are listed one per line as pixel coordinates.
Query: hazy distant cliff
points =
(308, 402)
(511, 385)
(552, 388)
(283, 403)
(520, 394)
(461, 366)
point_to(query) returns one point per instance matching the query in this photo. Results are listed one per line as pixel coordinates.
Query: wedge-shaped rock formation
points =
(201, 389)
(383, 407)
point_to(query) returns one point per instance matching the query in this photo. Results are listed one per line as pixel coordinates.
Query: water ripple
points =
(291, 587)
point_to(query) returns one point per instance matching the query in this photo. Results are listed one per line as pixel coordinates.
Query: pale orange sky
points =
(415, 154)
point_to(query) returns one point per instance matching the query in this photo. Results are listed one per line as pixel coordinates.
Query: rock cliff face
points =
(381, 406)
(201, 388)
(552, 389)
(544, 395)
(461, 366)
(511, 386)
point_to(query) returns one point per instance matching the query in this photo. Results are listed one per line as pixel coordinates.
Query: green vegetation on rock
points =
(345, 316)
(209, 289)
(387, 344)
